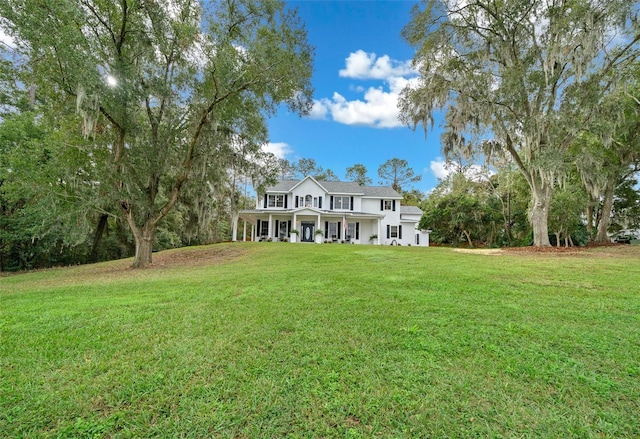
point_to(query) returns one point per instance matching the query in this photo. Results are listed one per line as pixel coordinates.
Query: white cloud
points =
(7, 40)
(363, 65)
(377, 108)
(279, 149)
(318, 111)
(438, 168)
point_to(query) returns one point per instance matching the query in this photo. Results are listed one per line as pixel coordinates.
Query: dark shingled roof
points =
(341, 187)
(411, 210)
(282, 186)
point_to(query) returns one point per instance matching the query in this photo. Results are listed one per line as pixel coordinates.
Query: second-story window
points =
(343, 203)
(388, 205)
(276, 201)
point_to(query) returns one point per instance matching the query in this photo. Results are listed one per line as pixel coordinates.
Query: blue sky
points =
(361, 64)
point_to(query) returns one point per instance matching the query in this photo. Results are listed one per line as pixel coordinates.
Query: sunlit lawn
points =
(295, 340)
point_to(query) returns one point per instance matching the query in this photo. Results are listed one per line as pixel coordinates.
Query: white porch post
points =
(295, 219)
(234, 227)
(269, 231)
(244, 230)
(319, 226)
(379, 231)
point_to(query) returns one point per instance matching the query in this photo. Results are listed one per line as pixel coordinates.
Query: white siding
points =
(308, 187)
(370, 205)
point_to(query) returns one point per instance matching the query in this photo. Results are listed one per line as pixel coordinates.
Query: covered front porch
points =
(310, 225)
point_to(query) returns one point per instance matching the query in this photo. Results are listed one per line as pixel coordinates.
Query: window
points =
(417, 239)
(264, 228)
(276, 201)
(333, 230)
(307, 201)
(283, 230)
(351, 231)
(343, 203)
(388, 205)
(394, 231)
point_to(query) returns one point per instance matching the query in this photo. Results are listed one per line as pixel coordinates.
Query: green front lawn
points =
(311, 341)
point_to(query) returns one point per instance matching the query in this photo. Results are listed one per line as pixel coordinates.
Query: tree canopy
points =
(518, 78)
(398, 173)
(358, 173)
(167, 91)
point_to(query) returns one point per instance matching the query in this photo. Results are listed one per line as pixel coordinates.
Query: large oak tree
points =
(520, 78)
(610, 153)
(165, 83)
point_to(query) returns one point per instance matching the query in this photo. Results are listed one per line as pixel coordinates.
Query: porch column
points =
(319, 226)
(295, 219)
(244, 230)
(234, 227)
(379, 232)
(269, 227)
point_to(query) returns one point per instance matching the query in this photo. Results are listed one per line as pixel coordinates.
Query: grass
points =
(283, 340)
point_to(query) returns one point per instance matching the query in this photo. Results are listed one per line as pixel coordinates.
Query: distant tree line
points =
(475, 206)
(394, 172)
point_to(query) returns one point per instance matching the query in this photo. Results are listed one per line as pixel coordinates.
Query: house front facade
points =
(332, 211)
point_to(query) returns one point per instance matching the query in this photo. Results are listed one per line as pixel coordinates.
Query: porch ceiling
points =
(253, 215)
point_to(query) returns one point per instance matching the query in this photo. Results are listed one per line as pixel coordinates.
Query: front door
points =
(307, 232)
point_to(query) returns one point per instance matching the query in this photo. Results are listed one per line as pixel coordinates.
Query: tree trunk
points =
(143, 237)
(144, 246)
(468, 238)
(589, 215)
(508, 220)
(541, 198)
(97, 237)
(557, 239)
(605, 216)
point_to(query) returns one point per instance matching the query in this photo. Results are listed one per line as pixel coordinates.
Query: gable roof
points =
(339, 187)
(381, 192)
(411, 210)
(308, 177)
(282, 186)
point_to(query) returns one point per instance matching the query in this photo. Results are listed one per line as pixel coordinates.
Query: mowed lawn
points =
(267, 340)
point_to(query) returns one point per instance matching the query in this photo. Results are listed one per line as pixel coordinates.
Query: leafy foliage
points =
(358, 173)
(164, 91)
(487, 210)
(397, 173)
(626, 205)
(566, 210)
(518, 79)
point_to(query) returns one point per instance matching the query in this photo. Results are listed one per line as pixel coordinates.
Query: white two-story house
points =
(334, 211)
